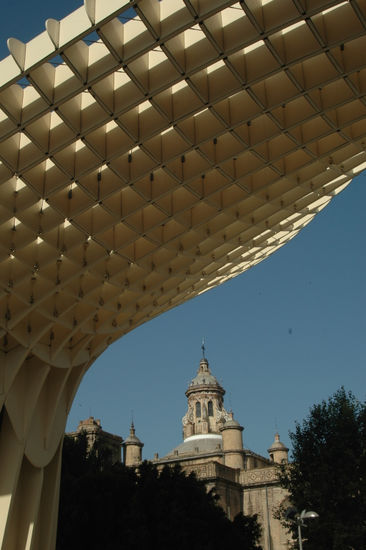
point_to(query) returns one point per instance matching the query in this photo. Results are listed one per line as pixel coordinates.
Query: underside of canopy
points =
(149, 151)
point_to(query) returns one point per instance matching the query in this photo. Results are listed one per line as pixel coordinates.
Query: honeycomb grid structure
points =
(149, 151)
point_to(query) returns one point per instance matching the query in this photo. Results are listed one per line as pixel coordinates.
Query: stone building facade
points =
(109, 442)
(213, 448)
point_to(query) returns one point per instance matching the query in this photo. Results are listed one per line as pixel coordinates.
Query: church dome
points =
(277, 445)
(204, 376)
(132, 439)
(205, 403)
(198, 444)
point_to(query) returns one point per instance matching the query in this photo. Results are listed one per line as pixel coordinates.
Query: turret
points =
(132, 449)
(278, 452)
(232, 443)
(205, 403)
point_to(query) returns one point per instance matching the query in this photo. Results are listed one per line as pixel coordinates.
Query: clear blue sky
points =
(280, 337)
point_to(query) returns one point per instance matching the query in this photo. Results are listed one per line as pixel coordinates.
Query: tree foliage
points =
(328, 473)
(250, 531)
(116, 507)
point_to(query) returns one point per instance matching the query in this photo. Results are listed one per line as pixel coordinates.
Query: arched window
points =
(210, 408)
(198, 409)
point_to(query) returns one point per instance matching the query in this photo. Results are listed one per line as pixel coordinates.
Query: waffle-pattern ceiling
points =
(149, 151)
(152, 150)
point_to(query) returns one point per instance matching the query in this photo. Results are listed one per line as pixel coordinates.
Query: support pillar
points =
(35, 398)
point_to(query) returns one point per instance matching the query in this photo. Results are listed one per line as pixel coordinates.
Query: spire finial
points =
(132, 427)
(203, 348)
(132, 422)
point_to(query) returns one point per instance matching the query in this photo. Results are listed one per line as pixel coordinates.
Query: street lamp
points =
(292, 514)
(300, 522)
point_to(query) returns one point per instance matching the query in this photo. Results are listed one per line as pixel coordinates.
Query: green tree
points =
(250, 531)
(328, 473)
(118, 507)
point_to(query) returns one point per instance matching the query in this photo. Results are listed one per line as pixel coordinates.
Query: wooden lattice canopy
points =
(149, 151)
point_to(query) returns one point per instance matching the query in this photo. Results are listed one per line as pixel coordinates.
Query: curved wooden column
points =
(150, 151)
(35, 400)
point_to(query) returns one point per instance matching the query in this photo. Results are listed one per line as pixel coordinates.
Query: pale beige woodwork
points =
(166, 154)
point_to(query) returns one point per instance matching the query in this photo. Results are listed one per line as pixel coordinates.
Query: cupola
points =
(205, 395)
(132, 449)
(278, 452)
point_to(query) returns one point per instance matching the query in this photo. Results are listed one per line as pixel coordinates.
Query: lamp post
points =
(300, 522)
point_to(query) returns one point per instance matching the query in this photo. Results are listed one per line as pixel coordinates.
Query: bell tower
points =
(205, 412)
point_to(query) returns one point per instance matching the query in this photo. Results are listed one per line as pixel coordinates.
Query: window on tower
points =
(198, 409)
(210, 408)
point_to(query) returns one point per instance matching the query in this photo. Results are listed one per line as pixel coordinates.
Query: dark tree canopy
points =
(118, 507)
(328, 473)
